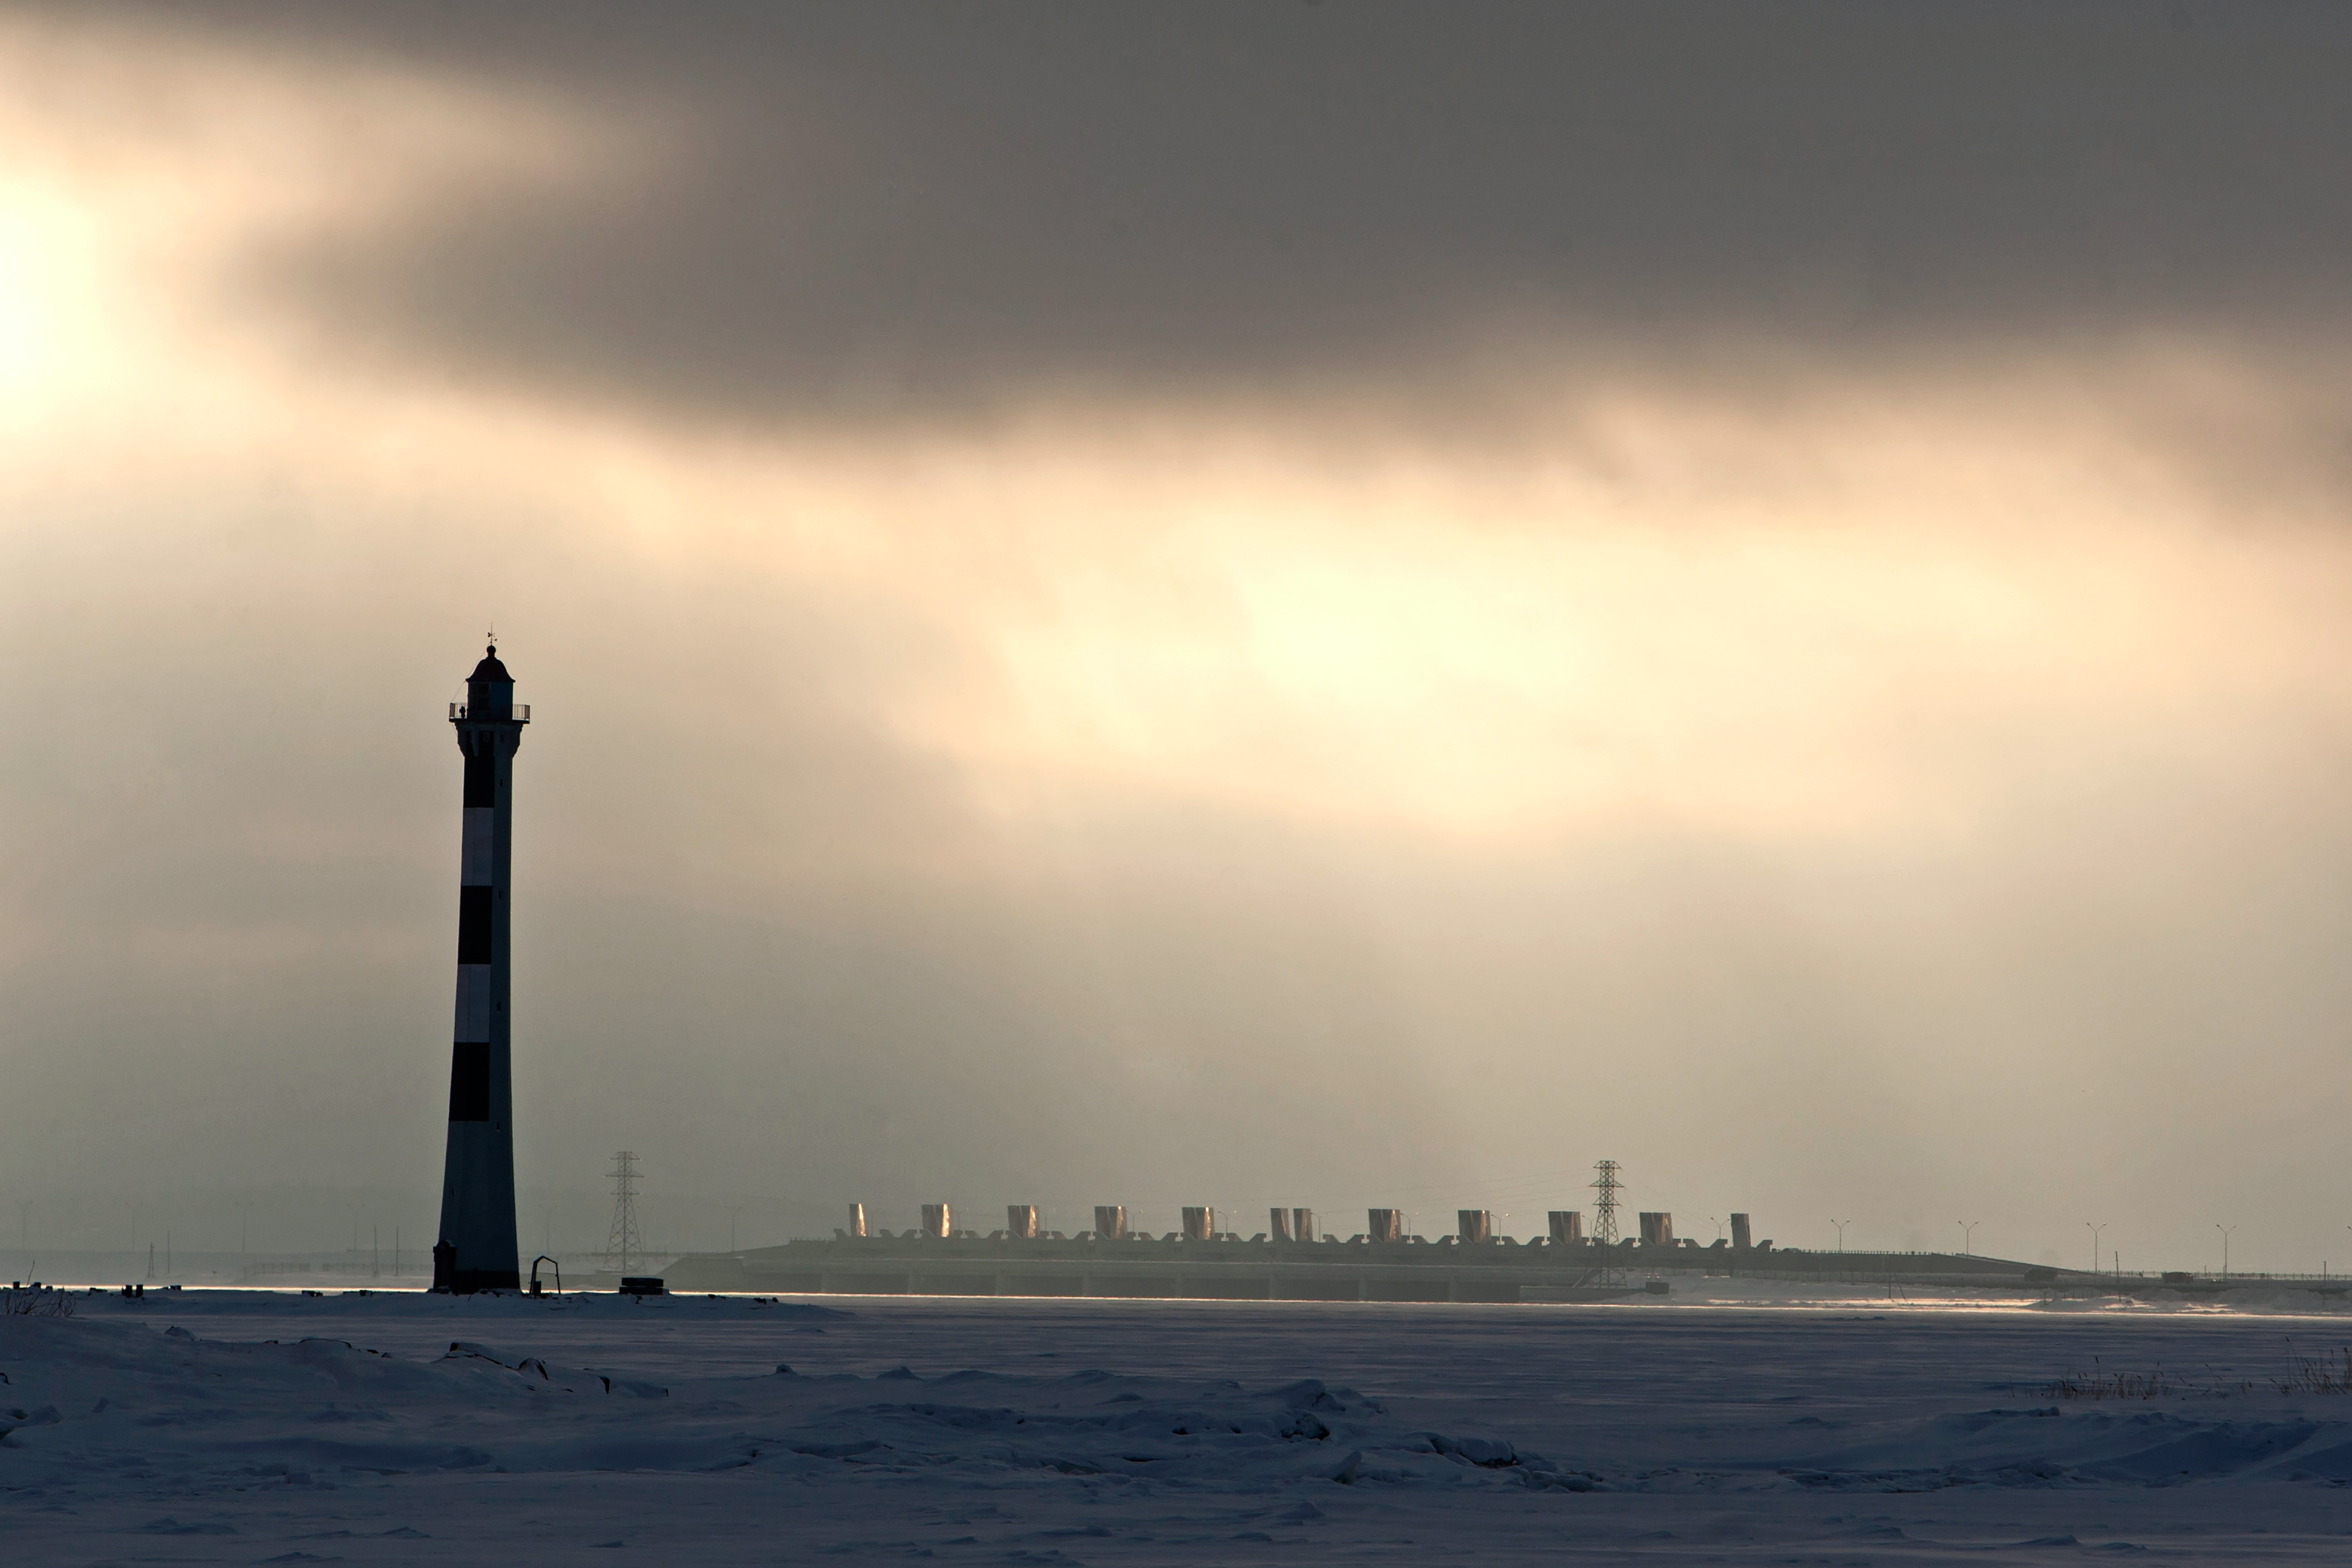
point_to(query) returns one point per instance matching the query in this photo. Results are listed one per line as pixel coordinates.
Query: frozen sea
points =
(249, 1427)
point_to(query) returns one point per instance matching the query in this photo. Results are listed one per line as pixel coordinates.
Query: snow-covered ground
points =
(224, 1426)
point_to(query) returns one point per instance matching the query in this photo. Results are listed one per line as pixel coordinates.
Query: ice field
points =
(228, 1427)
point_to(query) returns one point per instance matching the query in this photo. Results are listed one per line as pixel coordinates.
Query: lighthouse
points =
(477, 1247)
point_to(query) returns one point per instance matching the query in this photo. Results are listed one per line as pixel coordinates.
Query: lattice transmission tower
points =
(1604, 1223)
(625, 1239)
(1604, 1203)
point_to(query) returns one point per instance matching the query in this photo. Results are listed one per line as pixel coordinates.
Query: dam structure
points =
(1285, 1263)
(475, 1249)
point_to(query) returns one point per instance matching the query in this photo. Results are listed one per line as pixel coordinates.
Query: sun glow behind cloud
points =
(49, 297)
(142, 174)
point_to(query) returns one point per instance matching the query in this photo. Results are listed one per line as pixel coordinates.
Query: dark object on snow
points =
(641, 1285)
(1656, 1287)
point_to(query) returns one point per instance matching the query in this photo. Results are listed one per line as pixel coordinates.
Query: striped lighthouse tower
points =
(476, 1249)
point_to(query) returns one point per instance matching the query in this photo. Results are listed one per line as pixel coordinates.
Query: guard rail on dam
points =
(1500, 1270)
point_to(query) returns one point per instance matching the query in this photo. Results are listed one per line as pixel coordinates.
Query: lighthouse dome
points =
(491, 669)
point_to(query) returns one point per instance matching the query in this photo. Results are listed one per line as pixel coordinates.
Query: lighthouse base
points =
(448, 1279)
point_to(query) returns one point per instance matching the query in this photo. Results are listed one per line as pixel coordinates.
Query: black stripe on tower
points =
(469, 1082)
(474, 925)
(482, 775)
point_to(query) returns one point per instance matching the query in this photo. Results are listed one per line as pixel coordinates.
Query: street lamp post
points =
(1968, 1236)
(1840, 1225)
(2094, 1230)
(2225, 1230)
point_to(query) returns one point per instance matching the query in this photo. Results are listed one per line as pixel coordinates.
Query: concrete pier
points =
(1304, 1271)
(1021, 1221)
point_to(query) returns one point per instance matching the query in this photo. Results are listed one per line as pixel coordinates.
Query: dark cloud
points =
(878, 207)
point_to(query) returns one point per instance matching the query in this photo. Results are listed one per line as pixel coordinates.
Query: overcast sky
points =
(1327, 604)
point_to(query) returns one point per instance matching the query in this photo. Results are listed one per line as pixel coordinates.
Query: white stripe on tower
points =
(475, 866)
(473, 1005)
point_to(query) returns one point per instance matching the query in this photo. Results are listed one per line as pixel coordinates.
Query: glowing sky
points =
(1326, 608)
